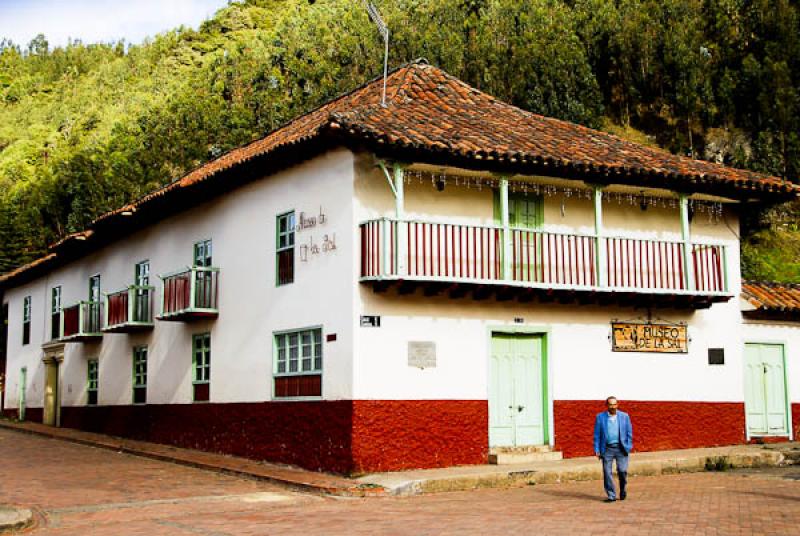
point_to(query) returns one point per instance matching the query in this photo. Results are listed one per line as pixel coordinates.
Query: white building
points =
(376, 288)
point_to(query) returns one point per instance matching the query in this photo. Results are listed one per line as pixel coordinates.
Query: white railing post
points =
(686, 238)
(386, 243)
(399, 236)
(81, 326)
(599, 243)
(192, 287)
(163, 295)
(105, 311)
(132, 295)
(724, 252)
(506, 244)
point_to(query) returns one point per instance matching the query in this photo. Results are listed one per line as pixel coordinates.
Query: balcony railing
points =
(189, 294)
(429, 251)
(81, 322)
(129, 310)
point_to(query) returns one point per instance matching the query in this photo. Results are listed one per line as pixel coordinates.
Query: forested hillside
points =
(87, 127)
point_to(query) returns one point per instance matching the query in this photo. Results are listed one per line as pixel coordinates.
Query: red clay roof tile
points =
(768, 297)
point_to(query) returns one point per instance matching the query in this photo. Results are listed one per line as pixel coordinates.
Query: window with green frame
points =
(55, 313)
(298, 363)
(204, 282)
(93, 377)
(284, 263)
(26, 320)
(201, 366)
(141, 297)
(140, 375)
(524, 210)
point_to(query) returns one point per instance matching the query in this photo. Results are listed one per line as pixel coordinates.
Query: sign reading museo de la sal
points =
(648, 337)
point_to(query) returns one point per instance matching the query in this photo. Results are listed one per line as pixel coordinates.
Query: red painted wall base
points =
(796, 421)
(389, 435)
(341, 436)
(392, 435)
(656, 425)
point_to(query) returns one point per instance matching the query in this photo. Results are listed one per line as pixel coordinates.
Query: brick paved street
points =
(81, 490)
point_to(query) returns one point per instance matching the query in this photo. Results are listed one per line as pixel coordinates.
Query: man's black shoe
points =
(623, 495)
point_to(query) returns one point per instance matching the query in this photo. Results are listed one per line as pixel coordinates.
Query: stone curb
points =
(215, 463)
(12, 518)
(574, 472)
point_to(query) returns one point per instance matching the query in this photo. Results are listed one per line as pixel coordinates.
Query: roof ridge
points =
(293, 120)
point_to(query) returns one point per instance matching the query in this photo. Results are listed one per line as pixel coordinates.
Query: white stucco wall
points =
(582, 365)
(241, 225)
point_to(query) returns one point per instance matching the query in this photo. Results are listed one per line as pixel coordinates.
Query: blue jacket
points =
(625, 432)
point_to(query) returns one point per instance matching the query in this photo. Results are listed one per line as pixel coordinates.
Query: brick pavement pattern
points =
(77, 489)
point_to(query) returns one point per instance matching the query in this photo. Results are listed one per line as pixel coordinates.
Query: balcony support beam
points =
(686, 237)
(400, 213)
(504, 220)
(599, 247)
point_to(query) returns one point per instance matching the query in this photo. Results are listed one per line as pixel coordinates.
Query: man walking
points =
(613, 440)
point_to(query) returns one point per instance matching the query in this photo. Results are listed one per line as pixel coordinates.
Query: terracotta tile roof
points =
(776, 298)
(429, 109)
(432, 116)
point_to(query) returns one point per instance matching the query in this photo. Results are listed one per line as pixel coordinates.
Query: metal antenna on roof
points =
(384, 31)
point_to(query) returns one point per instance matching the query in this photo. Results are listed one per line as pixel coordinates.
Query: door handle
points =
(520, 408)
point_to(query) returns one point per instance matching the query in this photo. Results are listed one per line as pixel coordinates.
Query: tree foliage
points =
(86, 127)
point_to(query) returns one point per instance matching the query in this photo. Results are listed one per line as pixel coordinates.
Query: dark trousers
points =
(609, 456)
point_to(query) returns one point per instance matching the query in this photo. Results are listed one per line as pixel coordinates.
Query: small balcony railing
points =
(492, 255)
(129, 310)
(81, 322)
(189, 294)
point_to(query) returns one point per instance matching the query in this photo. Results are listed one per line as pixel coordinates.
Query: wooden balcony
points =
(525, 264)
(129, 310)
(190, 294)
(81, 322)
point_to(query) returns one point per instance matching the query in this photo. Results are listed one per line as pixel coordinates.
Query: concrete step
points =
(509, 456)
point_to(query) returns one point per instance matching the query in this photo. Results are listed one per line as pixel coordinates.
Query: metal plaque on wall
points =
(422, 354)
(647, 337)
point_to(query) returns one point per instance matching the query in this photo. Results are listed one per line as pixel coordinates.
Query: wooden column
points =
(400, 252)
(599, 244)
(686, 238)
(507, 245)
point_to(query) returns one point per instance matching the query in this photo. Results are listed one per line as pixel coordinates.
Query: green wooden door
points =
(517, 391)
(765, 390)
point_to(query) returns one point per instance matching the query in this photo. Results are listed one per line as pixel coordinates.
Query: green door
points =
(765, 390)
(517, 392)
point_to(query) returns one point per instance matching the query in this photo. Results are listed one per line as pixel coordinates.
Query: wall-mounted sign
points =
(304, 221)
(647, 337)
(314, 248)
(422, 354)
(370, 321)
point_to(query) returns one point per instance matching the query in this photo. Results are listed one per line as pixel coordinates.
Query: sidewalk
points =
(432, 480)
(292, 477)
(577, 469)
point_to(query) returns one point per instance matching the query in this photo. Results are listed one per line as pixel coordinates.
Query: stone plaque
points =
(658, 338)
(422, 354)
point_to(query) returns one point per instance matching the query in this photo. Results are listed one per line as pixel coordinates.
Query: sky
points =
(94, 21)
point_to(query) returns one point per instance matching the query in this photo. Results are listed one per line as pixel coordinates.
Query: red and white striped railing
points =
(644, 264)
(450, 251)
(552, 258)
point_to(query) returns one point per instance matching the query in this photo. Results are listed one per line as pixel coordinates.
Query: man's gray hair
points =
(610, 398)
